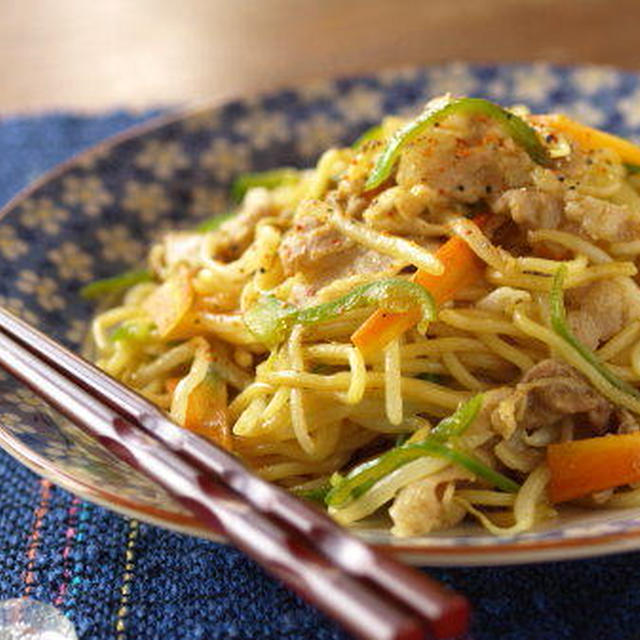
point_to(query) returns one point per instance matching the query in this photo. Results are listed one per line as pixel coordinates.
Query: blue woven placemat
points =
(117, 578)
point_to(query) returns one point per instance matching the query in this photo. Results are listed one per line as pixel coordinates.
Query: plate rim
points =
(509, 553)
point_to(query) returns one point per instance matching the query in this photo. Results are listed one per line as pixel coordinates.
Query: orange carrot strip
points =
(581, 467)
(461, 268)
(169, 305)
(589, 138)
(207, 412)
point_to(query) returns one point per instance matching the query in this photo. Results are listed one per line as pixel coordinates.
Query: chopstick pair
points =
(369, 593)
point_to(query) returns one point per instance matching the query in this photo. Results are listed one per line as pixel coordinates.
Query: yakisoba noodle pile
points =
(441, 320)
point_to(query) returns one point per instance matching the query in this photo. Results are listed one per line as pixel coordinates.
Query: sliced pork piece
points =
(603, 220)
(550, 205)
(597, 312)
(322, 254)
(531, 207)
(465, 160)
(425, 505)
(311, 244)
(551, 391)
(554, 388)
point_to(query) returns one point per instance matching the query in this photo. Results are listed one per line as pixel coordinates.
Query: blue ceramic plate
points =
(97, 214)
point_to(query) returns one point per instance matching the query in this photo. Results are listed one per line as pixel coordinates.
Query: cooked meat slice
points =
(548, 392)
(557, 388)
(426, 505)
(465, 160)
(311, 244)
(355, 261)
(322, 254)
(599, 310)
(603, 220)
(554, 207)
(531, 207)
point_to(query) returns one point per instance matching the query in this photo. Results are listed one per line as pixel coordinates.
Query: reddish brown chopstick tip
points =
(455, 620)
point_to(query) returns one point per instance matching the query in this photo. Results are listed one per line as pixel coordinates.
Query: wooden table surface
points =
(98, 54)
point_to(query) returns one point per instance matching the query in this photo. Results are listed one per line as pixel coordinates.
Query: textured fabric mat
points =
(116, 578)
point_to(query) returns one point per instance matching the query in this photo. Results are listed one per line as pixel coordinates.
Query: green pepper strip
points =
(372, 133)
(213, 223)
(270, 320)
(363, 477)
(522, 134)
(366, 478)
(268, 179)
(631, 168)
(133, 331)
(560, 326)
(401, 439)
(315, 495)
(115, 284)
(459, 421)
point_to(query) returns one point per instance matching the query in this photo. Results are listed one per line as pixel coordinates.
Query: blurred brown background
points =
(94, 54)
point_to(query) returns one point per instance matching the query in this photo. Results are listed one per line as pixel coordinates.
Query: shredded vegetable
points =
(580, 467)
(459, 421)
(372, 133)
(136, 331)
(213, 223)
(270, 320)
(363, 477)
(169, 304)
(633, 169)
(115, 284)
(206, 410)
(461, 268)
(267, 179)
(318, 494)
(589, 138)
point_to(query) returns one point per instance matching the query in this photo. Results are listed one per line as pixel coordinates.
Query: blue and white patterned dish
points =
(97, 214)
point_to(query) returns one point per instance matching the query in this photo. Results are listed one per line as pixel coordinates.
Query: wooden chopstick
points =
(220, 490)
